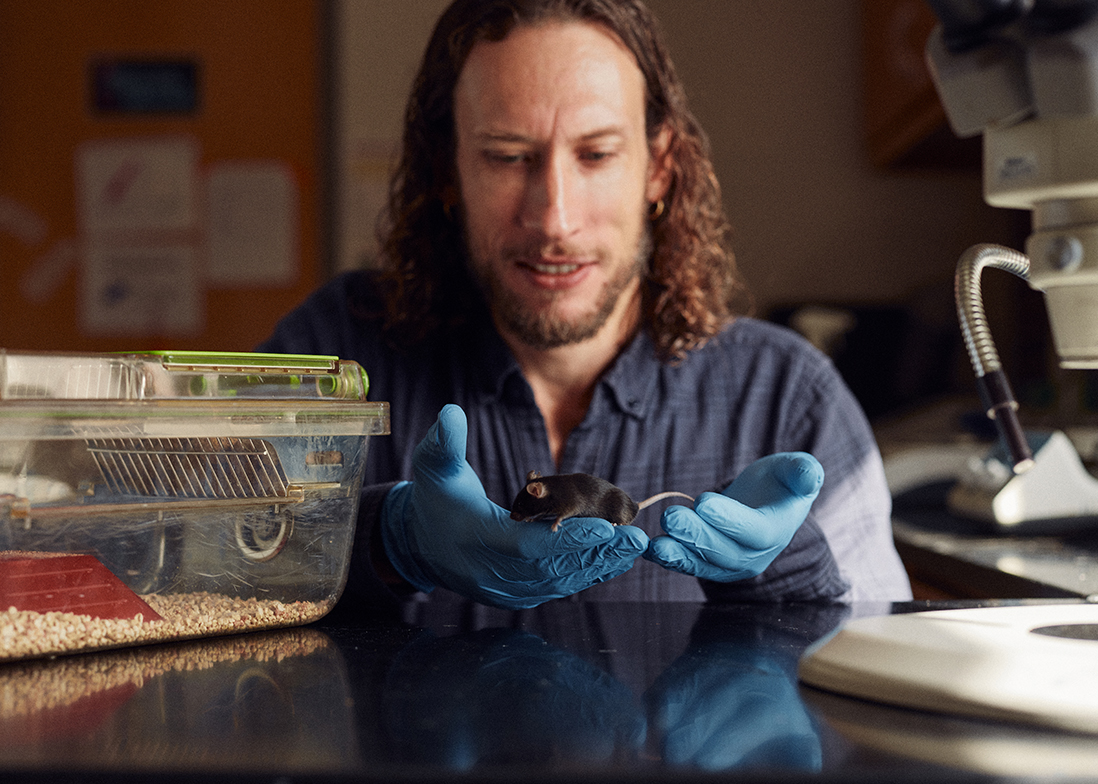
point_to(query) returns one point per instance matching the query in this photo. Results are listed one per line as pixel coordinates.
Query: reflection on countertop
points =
(430, 692)
(273, 700)
(963, 745)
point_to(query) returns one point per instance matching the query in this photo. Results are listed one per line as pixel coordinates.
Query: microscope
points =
(1024, 74)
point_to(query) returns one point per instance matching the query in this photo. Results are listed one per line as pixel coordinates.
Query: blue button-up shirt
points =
(692, 426)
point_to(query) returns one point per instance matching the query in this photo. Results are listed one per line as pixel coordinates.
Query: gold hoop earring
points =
(655, 210)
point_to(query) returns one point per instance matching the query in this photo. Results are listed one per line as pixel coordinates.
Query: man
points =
(557, 267)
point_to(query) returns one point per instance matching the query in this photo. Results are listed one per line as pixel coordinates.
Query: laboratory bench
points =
(948, 557)
(951, 557)
(566, 692)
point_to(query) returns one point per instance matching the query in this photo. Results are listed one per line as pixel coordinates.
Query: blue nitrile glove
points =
(737, 534)
(723, 707)
(441, 530)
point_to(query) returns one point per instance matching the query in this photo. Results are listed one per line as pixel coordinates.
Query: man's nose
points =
(552, 198)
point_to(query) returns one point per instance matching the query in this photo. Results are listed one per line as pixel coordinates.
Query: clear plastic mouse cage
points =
(163, 496)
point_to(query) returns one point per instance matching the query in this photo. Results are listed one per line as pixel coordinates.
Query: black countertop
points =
(970, 559)
(940, 552)
(566, 692)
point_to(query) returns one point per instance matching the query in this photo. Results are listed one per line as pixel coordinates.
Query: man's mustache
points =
(555, 251)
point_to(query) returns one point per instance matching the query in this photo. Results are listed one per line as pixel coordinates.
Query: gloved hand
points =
(737, 534)
(441, 530)
(723, 706)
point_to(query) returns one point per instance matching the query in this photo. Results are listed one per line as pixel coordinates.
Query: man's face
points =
(555, 176)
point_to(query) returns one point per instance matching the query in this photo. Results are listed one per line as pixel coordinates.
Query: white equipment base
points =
(984, 662)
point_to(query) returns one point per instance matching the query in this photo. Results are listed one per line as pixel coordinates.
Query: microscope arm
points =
(1024, 74)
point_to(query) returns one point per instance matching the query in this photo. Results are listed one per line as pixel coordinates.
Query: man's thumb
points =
(444, 443)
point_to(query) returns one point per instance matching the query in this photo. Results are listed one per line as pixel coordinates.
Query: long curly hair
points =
(692, 286)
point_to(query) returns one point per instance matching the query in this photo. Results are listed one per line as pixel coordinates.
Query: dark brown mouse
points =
(561, 496)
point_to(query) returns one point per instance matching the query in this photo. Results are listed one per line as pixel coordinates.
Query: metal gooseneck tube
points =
(995, 391)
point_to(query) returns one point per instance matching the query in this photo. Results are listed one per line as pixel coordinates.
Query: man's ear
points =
(660, 170)
(451, 199)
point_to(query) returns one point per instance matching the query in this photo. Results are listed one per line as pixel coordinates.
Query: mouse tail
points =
(660, 496)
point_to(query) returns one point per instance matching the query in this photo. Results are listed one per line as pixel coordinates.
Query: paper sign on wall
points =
(136, 291)
(138, 220)
(137, 184)
(252, 224)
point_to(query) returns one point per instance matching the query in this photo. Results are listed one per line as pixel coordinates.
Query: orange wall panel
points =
(258, 63)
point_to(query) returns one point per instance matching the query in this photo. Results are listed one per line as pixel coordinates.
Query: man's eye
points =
(504, 157)
(596, 156)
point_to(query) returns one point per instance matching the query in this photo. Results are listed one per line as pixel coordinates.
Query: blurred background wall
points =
(845, 188)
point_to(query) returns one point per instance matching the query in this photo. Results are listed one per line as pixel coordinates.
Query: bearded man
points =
(558, 294)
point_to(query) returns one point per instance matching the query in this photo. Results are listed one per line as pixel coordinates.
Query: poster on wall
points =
(140, 290)
(251, 225)
(143, 184)
(138, 223)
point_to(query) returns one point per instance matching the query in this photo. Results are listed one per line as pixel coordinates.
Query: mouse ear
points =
(537, 489)
(530, 477)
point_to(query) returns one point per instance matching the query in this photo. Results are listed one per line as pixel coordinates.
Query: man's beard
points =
(544, 329)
